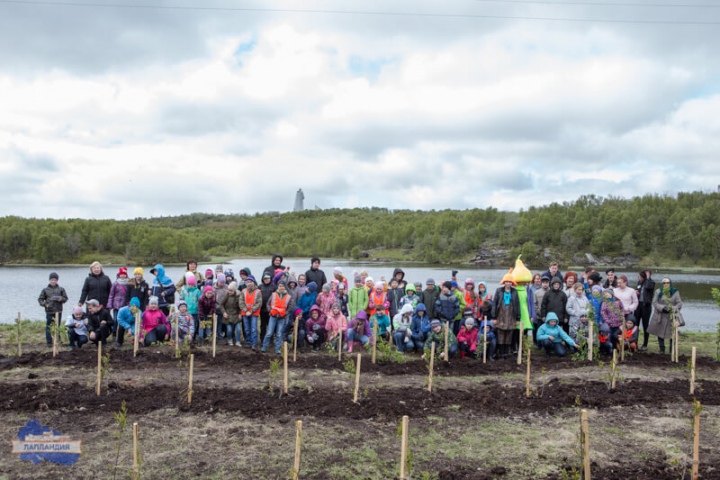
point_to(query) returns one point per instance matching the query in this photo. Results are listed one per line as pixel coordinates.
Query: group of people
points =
(551, 308)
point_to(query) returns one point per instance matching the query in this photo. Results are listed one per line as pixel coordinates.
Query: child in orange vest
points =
(631, 335)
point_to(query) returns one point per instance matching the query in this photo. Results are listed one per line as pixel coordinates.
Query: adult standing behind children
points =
(97, 286)
(275, 264)
(645, 290)
(506, 313)
(314, 274)
(191, 268)
(667, 304)
(51, 299)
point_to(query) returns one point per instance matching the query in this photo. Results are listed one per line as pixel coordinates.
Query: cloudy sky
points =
(110, 111)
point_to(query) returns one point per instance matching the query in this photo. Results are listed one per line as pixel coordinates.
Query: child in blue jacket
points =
(550, 336)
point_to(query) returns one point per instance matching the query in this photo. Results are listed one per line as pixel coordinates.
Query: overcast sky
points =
(110, 112)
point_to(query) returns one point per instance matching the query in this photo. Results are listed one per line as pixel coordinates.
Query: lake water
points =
(20, 286)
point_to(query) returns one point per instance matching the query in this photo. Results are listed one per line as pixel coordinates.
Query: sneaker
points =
(238, 344)
(73, 346)
(643, 348)
(230, 342)
(262, 350)
(117, 346)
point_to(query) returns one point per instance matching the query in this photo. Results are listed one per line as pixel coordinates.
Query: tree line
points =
(656, 228)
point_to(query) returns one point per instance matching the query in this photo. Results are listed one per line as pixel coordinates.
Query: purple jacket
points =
(361, 317)
(116, 300)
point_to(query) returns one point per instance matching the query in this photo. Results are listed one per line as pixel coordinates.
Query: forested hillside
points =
(655, 228)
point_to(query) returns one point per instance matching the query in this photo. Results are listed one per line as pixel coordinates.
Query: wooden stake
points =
(99, 369)
(613, 368)
(136, 463)
(357, 378)
(55, 335)
(432, 366)
(404, 447)
(375, 337)
(520, 345)
(696, 443)
(285, 368)
(295, 334)
(177, 333)
(585, 436)
(484, 344)
(214, 333)
(340, 335)
(677, 346)
(136, 338)
(447, 338)
(591, 338)
(622, 343)
(527, 375)
(692, 371)
(298, 446)
(190, 378)
(19, 321)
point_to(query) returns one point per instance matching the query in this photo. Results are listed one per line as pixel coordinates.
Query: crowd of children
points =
(552, 309)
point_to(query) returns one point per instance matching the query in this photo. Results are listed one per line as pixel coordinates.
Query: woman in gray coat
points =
(666, 305)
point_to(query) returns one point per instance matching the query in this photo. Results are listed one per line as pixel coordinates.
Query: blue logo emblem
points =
(36, 443)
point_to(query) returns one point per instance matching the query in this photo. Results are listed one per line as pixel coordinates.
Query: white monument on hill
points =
(299, 197)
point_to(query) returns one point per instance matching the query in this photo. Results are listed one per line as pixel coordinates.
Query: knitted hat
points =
(181, 303)
(122, 271)
(435, 323)
(77, 310)
(341, 286)
(151, 301)
(135, 302)
(232, 286)
(467, 311)
(208, 273)
(418, 286)
(221, 279)
(337, 271)
(93, 302)
(453, 283)
(430, 281)
(469, 281)
(469, 322)
(312, 287)
(208, 288)
(251, 278)
(138, 271)
(218, 268)
(192, 280)
(55, 276)
(379, 285)
(357, 278)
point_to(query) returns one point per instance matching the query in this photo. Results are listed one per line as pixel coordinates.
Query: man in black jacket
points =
(555, 300)
(315, 274)
(645, 292)
(99, 322)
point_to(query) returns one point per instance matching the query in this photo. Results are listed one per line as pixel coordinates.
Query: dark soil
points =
(238, 360)
(488, 400)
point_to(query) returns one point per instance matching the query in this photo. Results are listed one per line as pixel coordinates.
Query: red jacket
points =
(468, 336)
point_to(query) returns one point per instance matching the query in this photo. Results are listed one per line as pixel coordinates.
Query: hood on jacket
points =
(272, 260)
(361, 315)
(312, 287)
(407, 308)
(486, 323)
(421, 306)
(550, 317)
(292, 279)
(159, 272)
(135, 302)
(400, 271)
(314, 308)
(246, 270)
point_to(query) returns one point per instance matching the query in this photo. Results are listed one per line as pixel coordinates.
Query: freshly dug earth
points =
(476, 424)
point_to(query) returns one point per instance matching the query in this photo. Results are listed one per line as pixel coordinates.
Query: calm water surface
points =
(20, 286)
